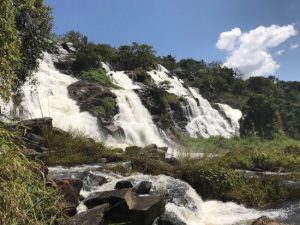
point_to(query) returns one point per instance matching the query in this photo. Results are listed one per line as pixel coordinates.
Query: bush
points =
(107, 108)
(97, 75)
(210, 181)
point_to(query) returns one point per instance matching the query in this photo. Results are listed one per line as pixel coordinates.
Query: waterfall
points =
(133, 117)
(182, 201)
(204, 120)
(49, 98)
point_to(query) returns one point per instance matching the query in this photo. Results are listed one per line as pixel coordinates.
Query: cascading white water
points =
(203, 119)
(133, 117)
(49, 98)
(183, 202)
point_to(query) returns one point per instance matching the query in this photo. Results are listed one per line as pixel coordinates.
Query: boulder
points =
(143, 188)
(123, 184)
(127, 206)
(91, 96)
(169, 219)
(266, 221)
(36, 126)
(173, 161)
(92, 216)
(70, 190)
(93, 180)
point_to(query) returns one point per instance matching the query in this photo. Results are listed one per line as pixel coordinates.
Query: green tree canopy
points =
(260, 118)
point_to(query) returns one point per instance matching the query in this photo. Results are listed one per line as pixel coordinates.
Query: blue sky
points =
(192, 28)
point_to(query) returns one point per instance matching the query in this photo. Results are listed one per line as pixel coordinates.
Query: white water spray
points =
(183, 202)
(49, 98)
(133, 117)
(203, 119)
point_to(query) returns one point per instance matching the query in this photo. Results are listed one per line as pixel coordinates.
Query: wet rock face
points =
(127, 206)
(97, 100)
(70, 190)
(266, 221)
(92, 216)
(64, 56)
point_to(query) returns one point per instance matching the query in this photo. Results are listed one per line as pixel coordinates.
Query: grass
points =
(75, 148)
(24, 197)
(99, 76)
(218, 177)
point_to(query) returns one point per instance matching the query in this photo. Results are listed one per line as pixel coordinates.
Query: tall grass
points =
(24, 197)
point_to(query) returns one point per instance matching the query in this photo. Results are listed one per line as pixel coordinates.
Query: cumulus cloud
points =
(248, 51)
(294, 46)
(280, 52)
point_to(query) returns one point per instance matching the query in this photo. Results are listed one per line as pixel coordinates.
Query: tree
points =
(261, 118)
(168, 61)
(131, 57)
(9, 49)
(76, 38)
(33, 23)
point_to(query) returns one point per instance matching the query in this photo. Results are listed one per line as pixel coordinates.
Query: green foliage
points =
(106, 108)
(97, 75)
(75, 148)
(135, 56)
(9, 49)
(224, 158)
(24, 197)
(262, 192)
(142, 76)
(168, 61)
(90, 57)
(33, 24)
(79, 40)
(261, 118)
(24, 35)
(210, 181)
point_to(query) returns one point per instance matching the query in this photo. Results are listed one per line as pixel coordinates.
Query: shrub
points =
(97, 75)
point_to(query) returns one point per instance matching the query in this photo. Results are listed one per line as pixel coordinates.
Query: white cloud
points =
(294, 46)
(248, 51)
(280, 52)
(227, 40)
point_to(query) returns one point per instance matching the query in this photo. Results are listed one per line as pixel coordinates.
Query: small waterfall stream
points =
(50, 98)
(204, 120)
(133, 117)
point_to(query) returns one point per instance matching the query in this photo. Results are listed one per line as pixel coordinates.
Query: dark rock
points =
(127, 206)
(92, 216)
(169, 219)
(90, 96)
(115, 131)
(266, 221)
(34, 137)
(36, 126)
(70, 190)
(123, 184)
(143, 188)
(173, 161)
(133, 150)
(94, 180)
(151, 146)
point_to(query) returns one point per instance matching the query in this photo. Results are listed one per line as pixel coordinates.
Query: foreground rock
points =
(92, 216)
(70, 189)
(127, 206)
(266, 221)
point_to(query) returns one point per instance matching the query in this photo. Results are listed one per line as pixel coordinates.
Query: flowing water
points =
(183, 203)
(133, 117)
(49, 98)
(204, 120)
